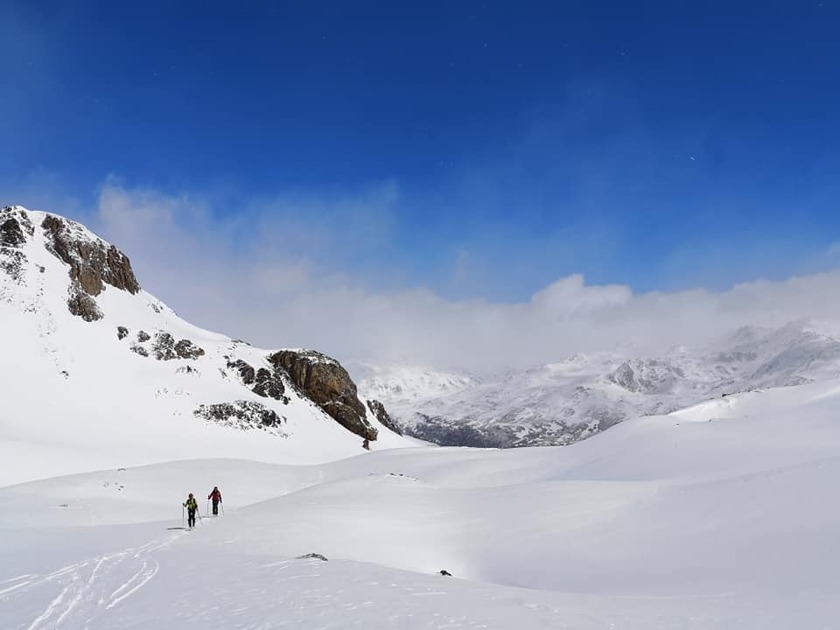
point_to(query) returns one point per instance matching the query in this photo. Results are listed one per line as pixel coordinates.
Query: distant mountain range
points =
(563, 402)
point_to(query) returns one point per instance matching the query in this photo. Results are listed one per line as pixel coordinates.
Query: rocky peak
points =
(328, 385)
(93, 262)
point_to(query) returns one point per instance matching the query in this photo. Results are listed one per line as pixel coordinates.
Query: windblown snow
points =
(721, 514)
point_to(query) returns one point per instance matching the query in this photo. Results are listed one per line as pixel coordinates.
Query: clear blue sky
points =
(660, 144)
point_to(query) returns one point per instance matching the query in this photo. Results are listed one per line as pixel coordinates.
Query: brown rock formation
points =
(328, 385)
(93, 263)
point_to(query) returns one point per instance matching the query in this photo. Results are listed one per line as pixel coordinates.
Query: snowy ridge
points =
(570, 400)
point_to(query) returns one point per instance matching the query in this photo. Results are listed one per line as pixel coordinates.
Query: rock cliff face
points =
(93, 264)
(328, 385)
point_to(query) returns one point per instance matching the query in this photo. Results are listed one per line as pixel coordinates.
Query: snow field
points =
(720, 516)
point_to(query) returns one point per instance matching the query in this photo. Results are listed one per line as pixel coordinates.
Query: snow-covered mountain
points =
(119, 379)
(567, 401)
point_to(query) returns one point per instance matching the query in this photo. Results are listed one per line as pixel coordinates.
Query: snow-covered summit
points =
(98, 366)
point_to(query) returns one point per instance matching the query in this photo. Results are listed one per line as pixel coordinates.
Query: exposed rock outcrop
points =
(242, 414)
(15, 226)
(83, 305)
(379, 412)
(11, 234)
(328, 385)
(186, 349)
(93, 263)
(12, 262)
(247, 374)
(163, 346)
(263, 382)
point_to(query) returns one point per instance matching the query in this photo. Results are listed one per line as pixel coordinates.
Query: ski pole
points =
(182, 516)
(208, 506)
(222, 505)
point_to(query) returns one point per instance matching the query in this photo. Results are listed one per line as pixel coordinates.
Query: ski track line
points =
(15, 587)
(83, 596)
(144, 575)
(39, 580)
(18, 578)
(49, 611)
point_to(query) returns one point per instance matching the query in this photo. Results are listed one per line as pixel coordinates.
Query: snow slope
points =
(722, 515)
(82, 395)
(570, 400)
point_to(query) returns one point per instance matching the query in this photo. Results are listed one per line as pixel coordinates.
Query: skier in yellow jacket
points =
(192, 507)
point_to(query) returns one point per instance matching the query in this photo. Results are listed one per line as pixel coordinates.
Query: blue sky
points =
(482, 150)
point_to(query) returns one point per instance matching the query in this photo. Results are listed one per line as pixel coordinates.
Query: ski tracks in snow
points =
(80, 592)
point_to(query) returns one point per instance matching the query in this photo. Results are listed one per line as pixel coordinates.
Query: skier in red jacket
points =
(216, 497)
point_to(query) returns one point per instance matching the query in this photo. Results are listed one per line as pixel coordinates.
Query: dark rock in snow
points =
(165, 348)
(15, 226)
(82, 305)
(186, 349)
(242, 414)
(11, 234)
(122, 332)
(13, 262)
(246, 372)
(263, 382)
(312, 556)
(269, 384)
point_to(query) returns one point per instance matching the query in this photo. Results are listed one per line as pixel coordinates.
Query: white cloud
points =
(273, 282)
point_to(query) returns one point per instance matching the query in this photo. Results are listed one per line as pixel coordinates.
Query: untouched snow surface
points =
(723, 515)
